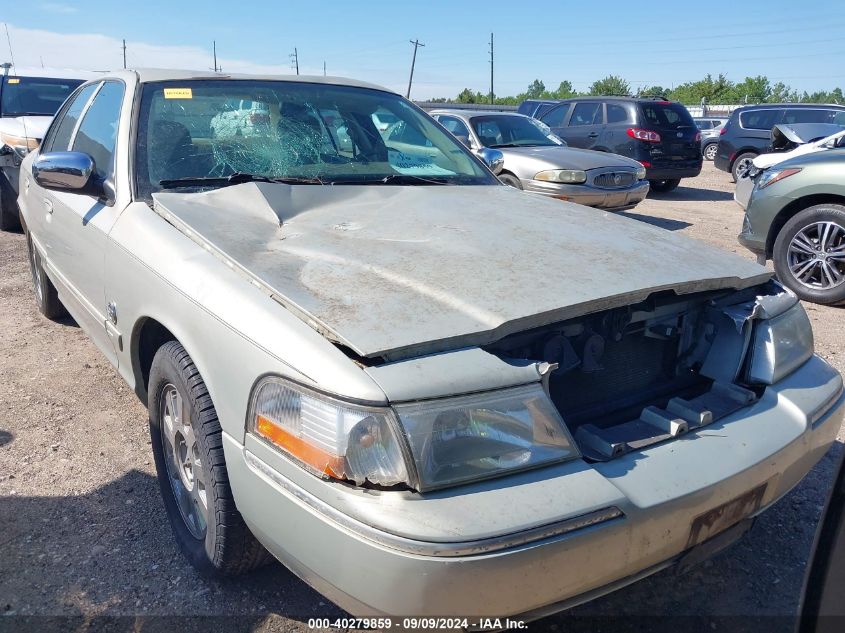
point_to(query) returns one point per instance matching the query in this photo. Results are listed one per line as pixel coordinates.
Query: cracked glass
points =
(208, 133)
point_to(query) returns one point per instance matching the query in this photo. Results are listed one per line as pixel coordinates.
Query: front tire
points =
(742, 162)
(809, 254)
(511, 181)
(709, 152)
(188, 449)
(664, 186)
(46, 297)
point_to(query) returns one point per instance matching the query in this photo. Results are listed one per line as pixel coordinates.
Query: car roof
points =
(54, 73)
(147, 75)
(763, 106)
(617, 98)
(473, 113)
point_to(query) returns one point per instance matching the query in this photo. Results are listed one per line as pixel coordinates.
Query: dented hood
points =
(399, 271)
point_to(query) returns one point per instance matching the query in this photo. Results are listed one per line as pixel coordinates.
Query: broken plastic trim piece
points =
(657, 425)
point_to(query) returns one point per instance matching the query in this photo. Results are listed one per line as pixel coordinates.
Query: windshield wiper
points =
(235, 179)
(393, 179)
(410, 179)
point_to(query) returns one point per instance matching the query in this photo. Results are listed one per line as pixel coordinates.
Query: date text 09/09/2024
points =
(417, 623)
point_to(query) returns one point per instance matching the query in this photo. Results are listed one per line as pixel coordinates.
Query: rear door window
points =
(617, 113)
(556, 116)
(760, 119)
(98, 131)
(586, 113)
(58, 139)
(809, 115)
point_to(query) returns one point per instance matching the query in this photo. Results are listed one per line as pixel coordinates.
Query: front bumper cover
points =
(610, 199)
(660, 491)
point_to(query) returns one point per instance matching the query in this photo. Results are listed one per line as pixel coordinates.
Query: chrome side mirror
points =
(65, 171)
(493, 158)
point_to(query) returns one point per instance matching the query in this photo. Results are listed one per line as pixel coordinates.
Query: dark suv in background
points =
(658, 133)
(748, 132)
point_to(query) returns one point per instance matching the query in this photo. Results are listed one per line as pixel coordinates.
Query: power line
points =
(294, 60)
(416, 44)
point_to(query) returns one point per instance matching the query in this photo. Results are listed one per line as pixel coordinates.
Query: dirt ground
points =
(83, 532)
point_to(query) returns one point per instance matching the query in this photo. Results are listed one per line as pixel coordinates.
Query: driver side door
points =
(77, 224)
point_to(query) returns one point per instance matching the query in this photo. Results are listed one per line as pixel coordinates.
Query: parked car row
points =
(373, 355)
(747, 134)
(537, 161)
(659, 134)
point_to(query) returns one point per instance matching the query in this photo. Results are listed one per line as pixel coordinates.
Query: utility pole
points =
(214, 47)
(124, 53)
(491, 69)
(416, 44)
(294, 60)
(324, 68)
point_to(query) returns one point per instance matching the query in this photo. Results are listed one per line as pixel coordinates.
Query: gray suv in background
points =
(748, 132)
(658, 133)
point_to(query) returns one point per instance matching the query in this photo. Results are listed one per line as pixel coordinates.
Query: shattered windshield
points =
(207, 133)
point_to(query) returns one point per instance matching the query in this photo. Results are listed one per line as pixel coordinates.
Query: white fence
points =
(713, 110)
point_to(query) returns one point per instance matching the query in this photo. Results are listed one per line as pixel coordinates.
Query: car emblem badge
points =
(112, 312)
(680, 134)
(617, 179)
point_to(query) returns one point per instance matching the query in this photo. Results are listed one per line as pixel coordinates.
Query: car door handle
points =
(593, 134)
(48, 205)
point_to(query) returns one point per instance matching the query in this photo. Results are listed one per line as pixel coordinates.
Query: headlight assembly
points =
(641, 173)
(451, 440)
(570, 176)
(466, 438)
(771, 176)
(329, 437)
(780, 345)
(21, 145)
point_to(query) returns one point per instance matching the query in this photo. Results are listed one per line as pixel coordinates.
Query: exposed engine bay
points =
(632, 376)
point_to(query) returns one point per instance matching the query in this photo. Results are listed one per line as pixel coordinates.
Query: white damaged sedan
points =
(424, 392)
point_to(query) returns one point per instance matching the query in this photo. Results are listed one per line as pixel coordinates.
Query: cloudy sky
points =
(552, 41)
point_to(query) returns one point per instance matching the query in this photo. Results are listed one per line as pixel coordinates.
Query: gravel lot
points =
(83, 532)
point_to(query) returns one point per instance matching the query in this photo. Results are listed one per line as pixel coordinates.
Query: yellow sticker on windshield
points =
(178, 93)
(14, 80)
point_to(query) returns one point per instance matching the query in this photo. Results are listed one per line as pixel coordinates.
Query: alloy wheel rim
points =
(36, 274)
(710, 152)
(743, 165)
(816, 255)
(185, 468)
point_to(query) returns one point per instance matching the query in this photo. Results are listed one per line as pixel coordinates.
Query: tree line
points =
(718, 90)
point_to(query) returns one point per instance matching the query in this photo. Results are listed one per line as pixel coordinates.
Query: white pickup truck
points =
(29, 97)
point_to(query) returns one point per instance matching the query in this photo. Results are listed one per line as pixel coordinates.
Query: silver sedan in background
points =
(536, 160)
(711, 129)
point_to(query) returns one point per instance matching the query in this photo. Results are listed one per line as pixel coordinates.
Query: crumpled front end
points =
(690, 415)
